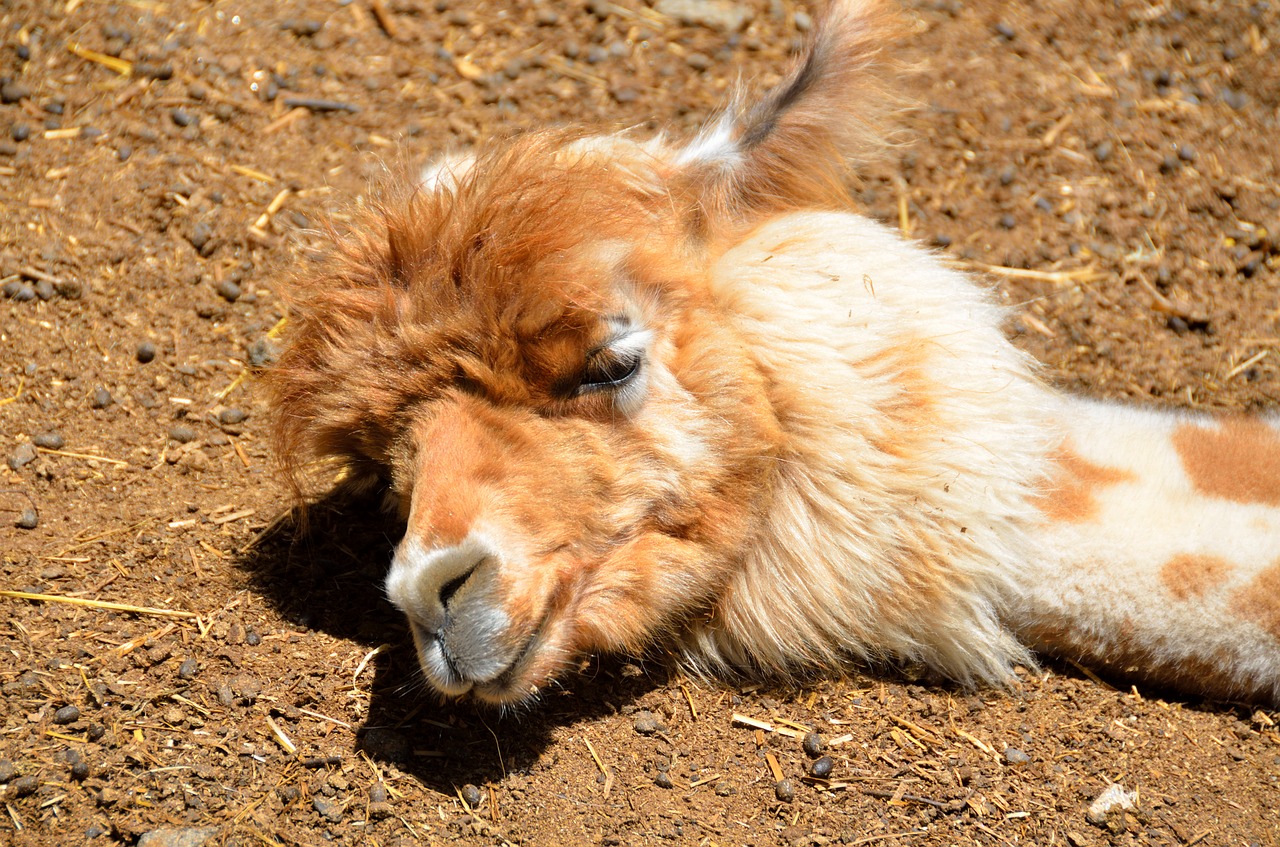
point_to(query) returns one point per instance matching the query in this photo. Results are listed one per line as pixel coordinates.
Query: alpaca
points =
(640, 394)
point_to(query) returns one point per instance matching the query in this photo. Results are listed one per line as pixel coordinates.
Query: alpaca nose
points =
(423, 581)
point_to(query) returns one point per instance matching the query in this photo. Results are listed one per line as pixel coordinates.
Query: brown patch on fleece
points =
(1239, 460)
(1189, 576)
(1069, 495)
(1259, 601)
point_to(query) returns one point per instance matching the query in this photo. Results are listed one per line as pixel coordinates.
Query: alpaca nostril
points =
(451, 587)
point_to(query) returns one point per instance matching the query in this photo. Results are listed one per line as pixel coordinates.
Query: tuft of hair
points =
(393, 284)
(793, 147)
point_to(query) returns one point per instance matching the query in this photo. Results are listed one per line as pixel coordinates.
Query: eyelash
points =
(608, 371)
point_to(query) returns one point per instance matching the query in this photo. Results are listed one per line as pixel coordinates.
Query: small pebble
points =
(80, 770)
(22, 455)
(1103, 151)
(182, 434)
(1186, 153)
(1007, 176)
(822, 767)
(1006, 31)
(188, 669)
(182, 117)
(231, 416)
(662, 780)
(50, 440)
(471, 795)
(378, 793)
(784, 790)
(23, 786)
(1008, 221)
(228, 290)
(262, 352)
(12, 92)
(329, 810)
(184, 837)
(66, 715)
(1014, 756)
(101, 398)
(24, 293)
(21, 132)
(146, 352)
(1235, 99)
(45, 290)
(7, 771)
(252, 638)
(200, 235)
(646, 723)
(29, 519)
(813, 744)
(123, 152)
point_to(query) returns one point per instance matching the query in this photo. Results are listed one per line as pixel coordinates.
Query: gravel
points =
(328, 809)
(66, 715)
(784, 790)
(713, 14)
(1014, 756)
(182, 433)
(646, 723)
(822, 767)
(813, 744)
(186, 837)
(471, 795)
(23, 786)
(101, 398)
(22, 455)
(146, 352)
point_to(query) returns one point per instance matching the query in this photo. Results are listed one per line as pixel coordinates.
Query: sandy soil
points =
(1111, 164)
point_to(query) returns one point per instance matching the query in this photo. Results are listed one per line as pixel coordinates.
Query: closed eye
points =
(609, 369)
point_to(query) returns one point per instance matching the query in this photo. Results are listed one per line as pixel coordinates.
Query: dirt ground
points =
(1111, 163)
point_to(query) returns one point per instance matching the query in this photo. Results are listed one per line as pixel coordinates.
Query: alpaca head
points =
(522, 346)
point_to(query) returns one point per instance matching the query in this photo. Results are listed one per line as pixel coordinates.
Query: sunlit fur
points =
(640, 393)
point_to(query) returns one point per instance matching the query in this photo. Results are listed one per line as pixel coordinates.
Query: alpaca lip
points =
(440, 664)
(499, 688)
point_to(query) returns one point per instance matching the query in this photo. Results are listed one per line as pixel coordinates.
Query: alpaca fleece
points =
(635, 393)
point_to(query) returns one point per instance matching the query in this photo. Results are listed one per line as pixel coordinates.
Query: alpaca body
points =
(636, 394)
(1161, 549)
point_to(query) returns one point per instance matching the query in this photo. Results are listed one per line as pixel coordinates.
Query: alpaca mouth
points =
(449, 672)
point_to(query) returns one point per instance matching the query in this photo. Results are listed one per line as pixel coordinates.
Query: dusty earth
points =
(1111, 164)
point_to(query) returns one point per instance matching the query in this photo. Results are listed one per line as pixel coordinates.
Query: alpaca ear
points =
(794, 146)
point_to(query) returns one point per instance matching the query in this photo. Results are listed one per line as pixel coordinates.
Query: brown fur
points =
(1070, 494)
(1257, 600)
(1239, 461)
(1190, 577)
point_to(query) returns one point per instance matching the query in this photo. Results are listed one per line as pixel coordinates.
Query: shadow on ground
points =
(325, 572)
